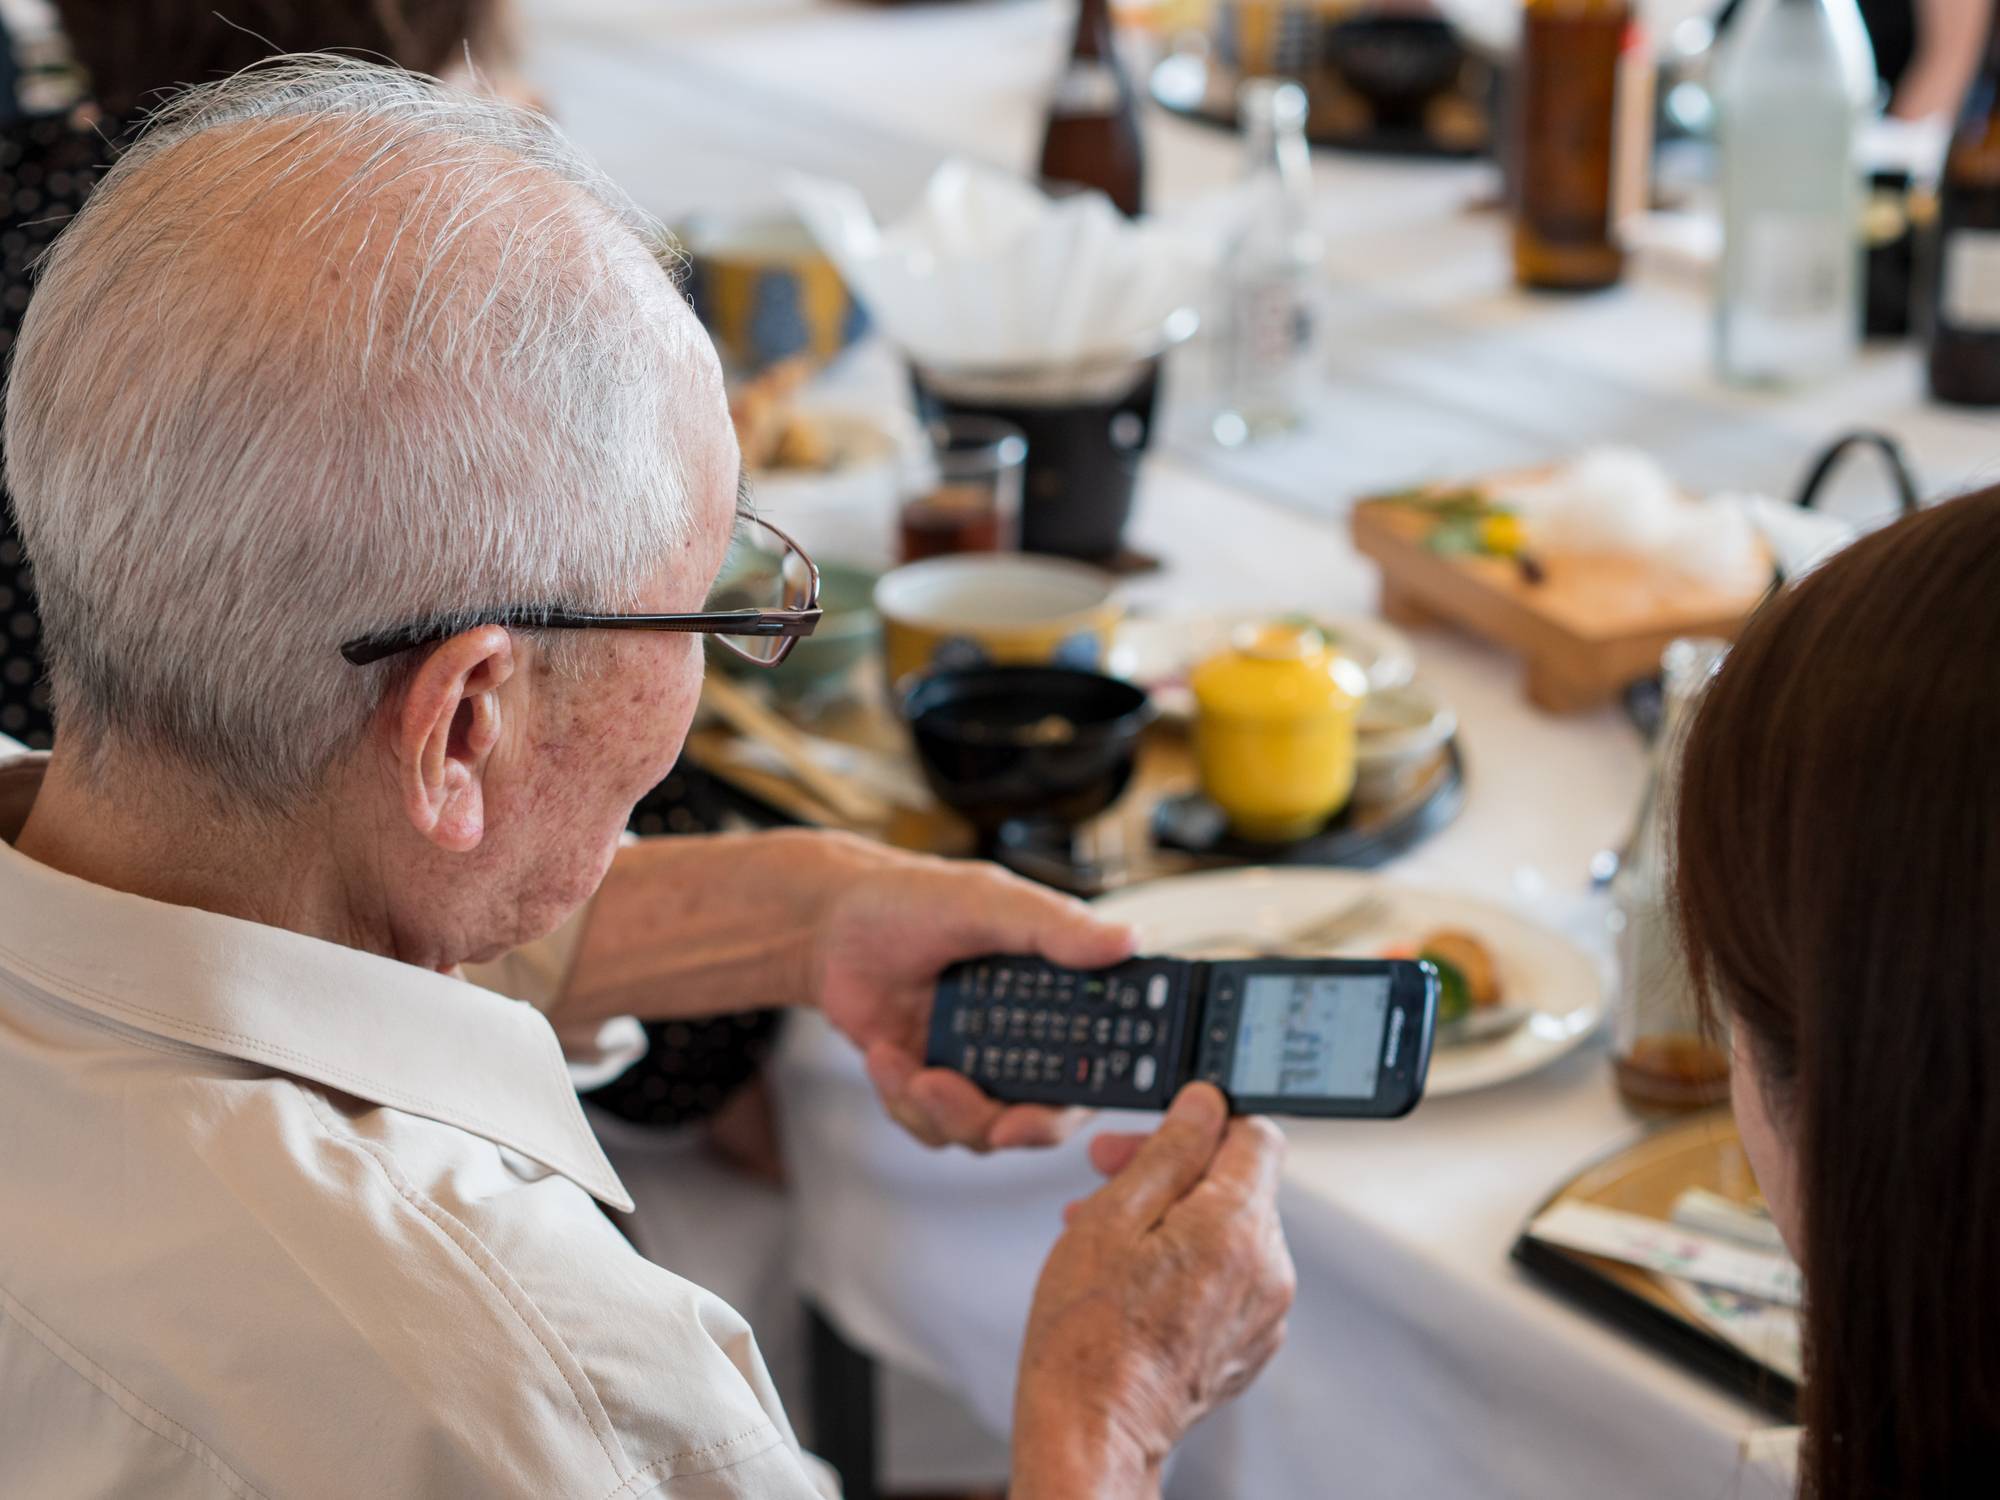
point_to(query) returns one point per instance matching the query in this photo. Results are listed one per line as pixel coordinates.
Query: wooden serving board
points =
(1591, 625)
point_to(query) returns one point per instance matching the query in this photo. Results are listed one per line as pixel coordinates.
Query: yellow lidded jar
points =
(1274, 730)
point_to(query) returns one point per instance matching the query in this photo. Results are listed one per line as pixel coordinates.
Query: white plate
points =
(1159, 651)
(1538, 969)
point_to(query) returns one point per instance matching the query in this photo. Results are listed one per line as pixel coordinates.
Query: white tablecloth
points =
(1421, 1362)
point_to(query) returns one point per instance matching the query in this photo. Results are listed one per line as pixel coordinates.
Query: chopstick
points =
(793, 748)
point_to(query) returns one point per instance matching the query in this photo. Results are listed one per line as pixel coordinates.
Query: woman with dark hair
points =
(1838, 877)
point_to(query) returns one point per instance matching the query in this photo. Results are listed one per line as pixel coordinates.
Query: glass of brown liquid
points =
(975, 505)
(1664, 1058)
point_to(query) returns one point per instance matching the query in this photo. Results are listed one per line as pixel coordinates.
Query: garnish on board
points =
(1468, 523)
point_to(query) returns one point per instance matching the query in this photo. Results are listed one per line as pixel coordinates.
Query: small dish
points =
(844, 511)
(820, 662)
(1400, 734)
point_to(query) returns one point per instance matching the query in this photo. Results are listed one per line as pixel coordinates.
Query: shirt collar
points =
(424, 1043)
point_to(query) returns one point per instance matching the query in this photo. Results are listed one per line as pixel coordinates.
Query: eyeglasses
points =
(765, 598)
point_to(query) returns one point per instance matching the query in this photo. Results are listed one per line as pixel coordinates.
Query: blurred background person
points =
(1927, 51)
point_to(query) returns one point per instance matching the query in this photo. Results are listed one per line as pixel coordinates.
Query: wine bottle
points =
(1092, 136)
(1788, 305)
(1965, 274)
(1565, 113)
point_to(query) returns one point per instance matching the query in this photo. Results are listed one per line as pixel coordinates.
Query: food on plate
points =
(770, 428)
(1468, 976)
(1472, 958)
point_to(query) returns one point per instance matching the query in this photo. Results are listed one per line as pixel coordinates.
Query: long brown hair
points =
(1838, 877)
(134, 51)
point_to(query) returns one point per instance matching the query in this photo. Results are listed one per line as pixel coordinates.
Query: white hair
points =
(333, 349)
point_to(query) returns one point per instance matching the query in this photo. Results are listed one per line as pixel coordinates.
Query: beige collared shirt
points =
(280, 1218)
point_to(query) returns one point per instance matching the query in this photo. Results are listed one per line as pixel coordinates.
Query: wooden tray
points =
(1118, 849)
(1589, 627)
(1703, 1152)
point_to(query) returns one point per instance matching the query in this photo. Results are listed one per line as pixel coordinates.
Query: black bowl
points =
(1045, 744)
(1397, 63)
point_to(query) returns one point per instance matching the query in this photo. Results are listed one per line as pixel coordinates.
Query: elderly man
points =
(361, 444)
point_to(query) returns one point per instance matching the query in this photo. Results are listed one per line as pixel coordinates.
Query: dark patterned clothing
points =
(53, 147)
(690, 1067)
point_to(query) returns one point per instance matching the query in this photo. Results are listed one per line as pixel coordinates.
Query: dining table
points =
(1421, 1360)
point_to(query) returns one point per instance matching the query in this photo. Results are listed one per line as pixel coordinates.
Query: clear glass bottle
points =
(1271, 279)
(1788, 306)
(1662, 1060)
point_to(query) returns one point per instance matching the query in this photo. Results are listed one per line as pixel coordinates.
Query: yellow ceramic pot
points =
(1274, 731)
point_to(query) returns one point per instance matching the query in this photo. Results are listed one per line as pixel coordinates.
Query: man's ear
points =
(442, 733)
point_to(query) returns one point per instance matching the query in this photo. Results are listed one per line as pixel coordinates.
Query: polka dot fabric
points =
(47, 166)
(691, 1067)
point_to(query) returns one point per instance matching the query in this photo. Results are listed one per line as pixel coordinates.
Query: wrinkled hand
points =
(1164, 1297)
(895, 924)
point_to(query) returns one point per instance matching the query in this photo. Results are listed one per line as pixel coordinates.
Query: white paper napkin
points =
(985, 270)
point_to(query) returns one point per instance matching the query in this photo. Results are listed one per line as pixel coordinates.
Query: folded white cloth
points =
(987, 270)
(1800, 540)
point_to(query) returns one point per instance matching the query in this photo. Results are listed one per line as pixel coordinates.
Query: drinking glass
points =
(976, 504)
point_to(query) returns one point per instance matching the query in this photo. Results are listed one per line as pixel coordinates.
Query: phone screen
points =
(1316, 1036)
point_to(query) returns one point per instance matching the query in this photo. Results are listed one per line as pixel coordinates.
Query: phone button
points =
(1144, 1074)
(1156, 992)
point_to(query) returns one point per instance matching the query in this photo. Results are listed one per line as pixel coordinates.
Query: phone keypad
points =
(1024, 1029)
(1215, 1048)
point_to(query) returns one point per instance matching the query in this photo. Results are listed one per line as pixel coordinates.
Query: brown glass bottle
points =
(1965, 270)
(1092, 136)
(1565, 109)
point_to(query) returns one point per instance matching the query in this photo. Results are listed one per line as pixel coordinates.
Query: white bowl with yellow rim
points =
(995, 608)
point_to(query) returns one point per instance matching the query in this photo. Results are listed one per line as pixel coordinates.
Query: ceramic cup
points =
(981, 609)
(765, 292)
(1274, 731)
(1400, 733)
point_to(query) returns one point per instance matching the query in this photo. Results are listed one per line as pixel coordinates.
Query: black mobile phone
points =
(1348, 1038)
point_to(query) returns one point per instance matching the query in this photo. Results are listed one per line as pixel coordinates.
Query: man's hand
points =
(896, 922)
(1164, 1297)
